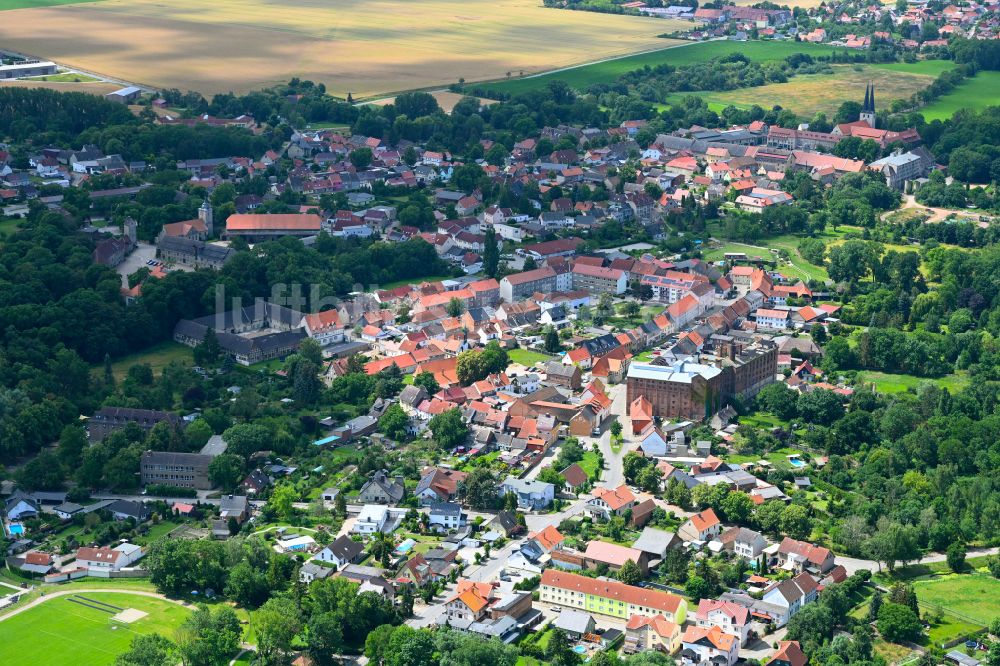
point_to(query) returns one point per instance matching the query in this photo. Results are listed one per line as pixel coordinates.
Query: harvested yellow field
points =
(93, 87)
(365, 47)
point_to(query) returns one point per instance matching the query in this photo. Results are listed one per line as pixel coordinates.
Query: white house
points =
(341, 552)
(787, 598)
(108, 559)
(530, 494)
(749, 544)
(777, 320)
(702, 526)
(372, 518)
(731, 617)
(653, 444)
(701, 646)
(446, 515)
(325, 327)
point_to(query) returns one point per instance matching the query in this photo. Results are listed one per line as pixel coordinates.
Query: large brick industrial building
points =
(696, 387)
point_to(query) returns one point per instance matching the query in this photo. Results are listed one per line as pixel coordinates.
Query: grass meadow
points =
(158, 357)
(812, 93)
(980, 91)
(673, 53)
(59, 631)
(366, 47)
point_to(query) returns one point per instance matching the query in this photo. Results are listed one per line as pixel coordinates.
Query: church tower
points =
(131, 231)
(868, 108)
(205, 215)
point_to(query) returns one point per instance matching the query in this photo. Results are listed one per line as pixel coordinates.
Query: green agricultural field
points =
(683, 54)
(158, 357)
(526, 357)
(894, 383)
(974, 598)
(809, 94)
(59, 631)
(980, 91)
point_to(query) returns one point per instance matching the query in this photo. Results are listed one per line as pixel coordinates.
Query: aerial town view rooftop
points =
(525, 333)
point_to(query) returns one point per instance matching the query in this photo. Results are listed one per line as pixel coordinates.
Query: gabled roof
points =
(704, 520)
(712, 636)
(609, 589)
(615, 498)
(789, 652)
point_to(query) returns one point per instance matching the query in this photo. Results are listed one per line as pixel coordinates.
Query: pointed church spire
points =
(864, 106)
(871, 99)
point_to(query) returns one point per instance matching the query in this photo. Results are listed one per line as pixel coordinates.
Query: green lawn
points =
(59, 631)
(929, 67)
(589, 463)
(971, 597)
(161, 529)
(67, 77)
(980, 91)
(893, 383)
(778, 458)
(606, 72)
(9, 225)
(799, 267)
(526, 357)
(158, 357)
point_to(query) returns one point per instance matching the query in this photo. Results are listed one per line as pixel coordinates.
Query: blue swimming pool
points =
(15, 529)
(796, 462)
(579, 649)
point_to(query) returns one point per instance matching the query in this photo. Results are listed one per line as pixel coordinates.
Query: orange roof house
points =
(641, 413)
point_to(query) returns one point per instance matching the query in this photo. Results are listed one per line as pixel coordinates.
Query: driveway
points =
(133, 262)
(854, 564)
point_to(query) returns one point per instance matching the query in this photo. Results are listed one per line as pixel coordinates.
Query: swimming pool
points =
(15, 528)
(579, 649)
(796, 462)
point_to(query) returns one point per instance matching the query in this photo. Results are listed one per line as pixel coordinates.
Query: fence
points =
(965, 618)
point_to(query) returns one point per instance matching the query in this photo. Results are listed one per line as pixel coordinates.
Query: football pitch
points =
(78, 629)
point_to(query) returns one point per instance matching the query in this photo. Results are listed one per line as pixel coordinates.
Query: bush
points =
(164, 490)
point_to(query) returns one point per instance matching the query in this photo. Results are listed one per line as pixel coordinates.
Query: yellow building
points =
(609, 597)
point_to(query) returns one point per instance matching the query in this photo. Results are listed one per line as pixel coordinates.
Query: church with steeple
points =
(868, 107)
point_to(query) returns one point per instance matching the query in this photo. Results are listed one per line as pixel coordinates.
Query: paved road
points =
(853, 564)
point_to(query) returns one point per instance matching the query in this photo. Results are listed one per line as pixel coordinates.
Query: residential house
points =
(798, 556)
(342, 552)
(655, 543)
(446, 516)
(748, 544)
(700, 527)
(128, 510)
(575, 624)
(729, 616)
(531, 494)
(575, 477)
(311, 571)
(701, 646)
(372, 518)
(789, 653)
(788, 597)
(613, 556)
(380, 489)
(108, 559)
(608, 502)
(236, 507)
(469, 603)
(438, 484)
(644, 632)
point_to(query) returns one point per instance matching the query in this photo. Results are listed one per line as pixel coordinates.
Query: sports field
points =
(60, 631)
(980, 91)
(364, 47)
(809, 94)
(683, 54)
